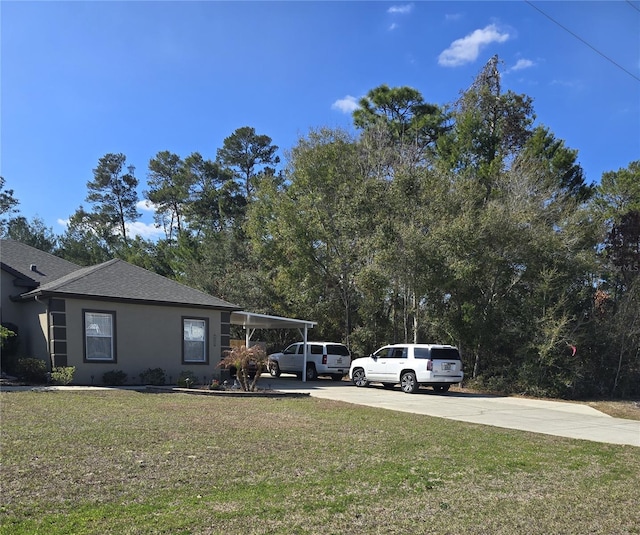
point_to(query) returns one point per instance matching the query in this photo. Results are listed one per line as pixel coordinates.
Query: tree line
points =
(465, 223)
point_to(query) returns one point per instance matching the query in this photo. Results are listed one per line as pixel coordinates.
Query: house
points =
(111, 316)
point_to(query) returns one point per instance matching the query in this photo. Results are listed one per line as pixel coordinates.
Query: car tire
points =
(359, 378)
(312, 373)
(274, 369)
(336, 377)
(409, 383)
(441, 388)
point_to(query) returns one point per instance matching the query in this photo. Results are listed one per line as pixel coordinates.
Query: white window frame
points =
(89, 319)
(195, 331)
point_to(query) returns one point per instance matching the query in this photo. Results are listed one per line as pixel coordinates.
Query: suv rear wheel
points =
(312, 373)
(409, 383)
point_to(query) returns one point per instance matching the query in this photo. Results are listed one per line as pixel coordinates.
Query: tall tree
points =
(215, 200)
(169, 186)
(113, 194)
(8, 204)
(407, 123)
(559, 163)
(616, 317)
(248, 154)
(312, 234)
(33, 233)
(490, 127)
(86, 242)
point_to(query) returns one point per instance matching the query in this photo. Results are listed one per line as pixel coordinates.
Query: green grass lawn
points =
(122, 462)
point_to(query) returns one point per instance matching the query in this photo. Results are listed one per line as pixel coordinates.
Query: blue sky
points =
(82, 79)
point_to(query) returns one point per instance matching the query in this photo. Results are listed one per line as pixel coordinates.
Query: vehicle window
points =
(291, 350)
(337, 349)
(421, 352)
(445, 353)
(398, 353)
(382, 352)
(316, 349)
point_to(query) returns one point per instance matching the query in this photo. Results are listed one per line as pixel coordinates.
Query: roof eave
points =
(39, 294)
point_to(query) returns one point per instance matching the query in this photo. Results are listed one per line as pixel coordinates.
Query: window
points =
(445, 353)
(194, 341)
(338, 349)
(399, 353)
(99, 337)
(382, 353)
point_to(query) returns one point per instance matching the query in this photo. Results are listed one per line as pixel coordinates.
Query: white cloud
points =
(466, 50)
(393, 27)
(522, 64)
(147, 231)
(146, 205)
(346, 105)
(401, 10)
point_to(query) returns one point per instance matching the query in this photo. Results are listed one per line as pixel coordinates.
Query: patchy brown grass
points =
(618, 409)
(121, 462)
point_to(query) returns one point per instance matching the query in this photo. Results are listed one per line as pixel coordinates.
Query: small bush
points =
(62, 375)
(114, 378)
(249, 363)
(187, 379)
(32, 370)
(153, 376)
(9, 343)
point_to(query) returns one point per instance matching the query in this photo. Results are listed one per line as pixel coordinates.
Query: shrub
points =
(153, 376)
(248, 363)
(62, 375)
(187, 378)
(32, 370)
(9, 342)
(114, 378)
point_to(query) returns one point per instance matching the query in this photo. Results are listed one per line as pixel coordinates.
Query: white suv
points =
(411, 365)
(323, 358)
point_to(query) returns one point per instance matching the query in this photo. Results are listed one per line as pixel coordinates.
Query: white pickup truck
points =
(323, 358)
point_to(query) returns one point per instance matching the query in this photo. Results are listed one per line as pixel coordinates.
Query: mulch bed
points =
(261, 393)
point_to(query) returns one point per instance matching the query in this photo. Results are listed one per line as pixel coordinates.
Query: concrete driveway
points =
(572, 420)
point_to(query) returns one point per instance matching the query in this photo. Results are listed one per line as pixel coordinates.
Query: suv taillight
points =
(429, 365)
(324, 359)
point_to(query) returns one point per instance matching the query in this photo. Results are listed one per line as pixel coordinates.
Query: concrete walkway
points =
(572, 420)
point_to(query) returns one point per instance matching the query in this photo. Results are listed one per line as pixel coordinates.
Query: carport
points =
(252, 322)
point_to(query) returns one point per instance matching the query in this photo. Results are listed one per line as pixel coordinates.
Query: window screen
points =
(194, 343)
(99, 336)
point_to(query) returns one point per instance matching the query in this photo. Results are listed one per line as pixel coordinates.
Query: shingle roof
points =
(32, 265)
(113, 280)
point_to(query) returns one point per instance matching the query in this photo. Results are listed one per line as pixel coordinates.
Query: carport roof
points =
(250, 320)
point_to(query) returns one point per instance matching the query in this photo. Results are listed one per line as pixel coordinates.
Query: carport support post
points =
(305, 350)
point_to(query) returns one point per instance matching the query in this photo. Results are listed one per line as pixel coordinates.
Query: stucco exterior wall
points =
(28, 317)
(146, 336)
